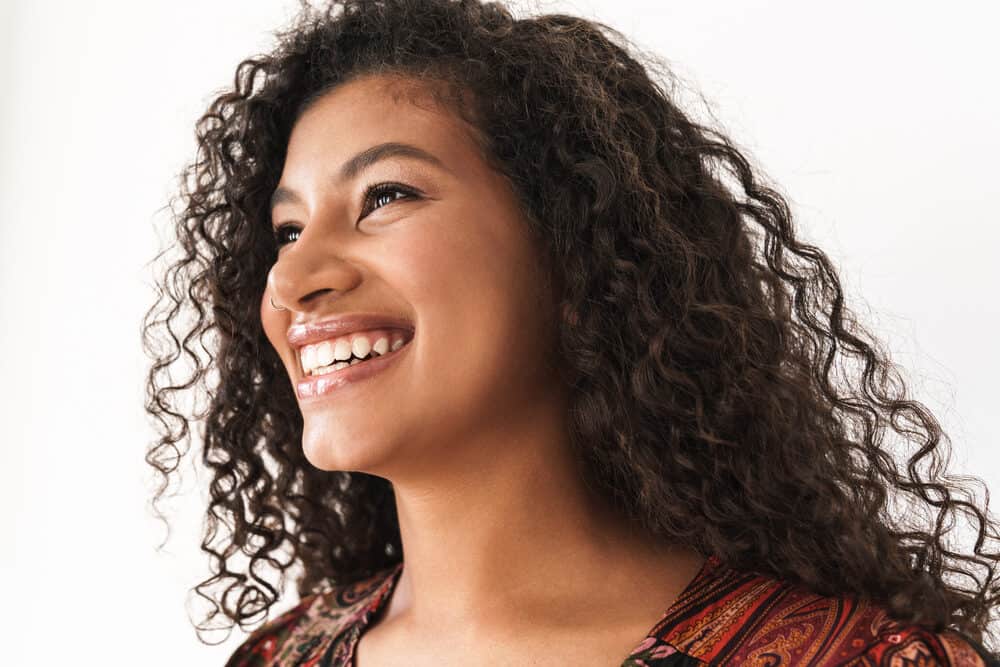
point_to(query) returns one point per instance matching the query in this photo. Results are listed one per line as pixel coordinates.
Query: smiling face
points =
(446, 249)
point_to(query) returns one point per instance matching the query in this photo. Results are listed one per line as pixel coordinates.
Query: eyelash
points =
(373, 192)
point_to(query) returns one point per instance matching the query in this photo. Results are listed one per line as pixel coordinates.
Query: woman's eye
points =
(386, 192)
(280, 234)
(380, 193)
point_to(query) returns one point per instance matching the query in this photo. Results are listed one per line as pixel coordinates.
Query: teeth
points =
(361, 347)
(325, 354)
(342, 350)
(309, 357)
(331, 355)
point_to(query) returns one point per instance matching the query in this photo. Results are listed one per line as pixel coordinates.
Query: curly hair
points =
(707, 359)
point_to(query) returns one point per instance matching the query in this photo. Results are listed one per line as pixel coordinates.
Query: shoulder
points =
(733, 617)
(311, 627)
(918, 646)
(261, 645)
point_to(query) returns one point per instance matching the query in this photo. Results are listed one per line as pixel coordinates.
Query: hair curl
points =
(702, 363)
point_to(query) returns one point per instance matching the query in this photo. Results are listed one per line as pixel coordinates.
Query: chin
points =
(338, 451)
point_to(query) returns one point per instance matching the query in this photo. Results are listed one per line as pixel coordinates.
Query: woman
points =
(482, 299)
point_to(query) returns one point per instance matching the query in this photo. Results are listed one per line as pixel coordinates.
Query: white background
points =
(878, 120)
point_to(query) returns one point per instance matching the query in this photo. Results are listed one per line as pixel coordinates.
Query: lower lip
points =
(313, 387)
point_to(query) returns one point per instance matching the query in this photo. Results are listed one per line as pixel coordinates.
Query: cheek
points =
(479, 322)
(459, 279)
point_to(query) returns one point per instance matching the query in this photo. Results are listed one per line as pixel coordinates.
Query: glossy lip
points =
(313, 332)
(312, 388)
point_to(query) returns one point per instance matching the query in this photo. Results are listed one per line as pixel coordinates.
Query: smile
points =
(339, 352)
(327, 378)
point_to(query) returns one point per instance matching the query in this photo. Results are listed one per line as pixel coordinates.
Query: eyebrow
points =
(366, 158)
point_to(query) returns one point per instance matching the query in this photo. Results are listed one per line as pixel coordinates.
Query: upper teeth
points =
(340, 349)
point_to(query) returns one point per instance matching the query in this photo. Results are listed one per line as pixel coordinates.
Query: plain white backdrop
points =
(879, 121)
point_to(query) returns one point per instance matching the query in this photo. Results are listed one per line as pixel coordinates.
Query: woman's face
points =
(449, 253)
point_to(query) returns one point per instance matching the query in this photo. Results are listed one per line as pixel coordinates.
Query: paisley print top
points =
(723, 617)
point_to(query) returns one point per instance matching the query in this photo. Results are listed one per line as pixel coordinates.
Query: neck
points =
(503, 531)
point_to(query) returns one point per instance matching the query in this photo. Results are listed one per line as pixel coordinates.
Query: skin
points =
(505, 550)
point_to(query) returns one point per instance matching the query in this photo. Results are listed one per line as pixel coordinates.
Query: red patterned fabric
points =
(723, 617)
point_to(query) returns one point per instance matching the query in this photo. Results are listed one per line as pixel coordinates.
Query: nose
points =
(305, 276)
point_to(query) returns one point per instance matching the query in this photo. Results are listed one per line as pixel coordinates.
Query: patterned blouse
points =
(723, 617)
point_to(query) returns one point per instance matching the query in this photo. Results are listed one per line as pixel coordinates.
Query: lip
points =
(316, 387)
(313, 332)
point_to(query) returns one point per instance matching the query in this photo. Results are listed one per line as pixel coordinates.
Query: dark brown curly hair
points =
(712, 395)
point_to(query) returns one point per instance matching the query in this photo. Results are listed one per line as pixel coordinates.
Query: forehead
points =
(363, 112)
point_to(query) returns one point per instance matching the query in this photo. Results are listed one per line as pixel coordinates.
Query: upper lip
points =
(339, 325)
